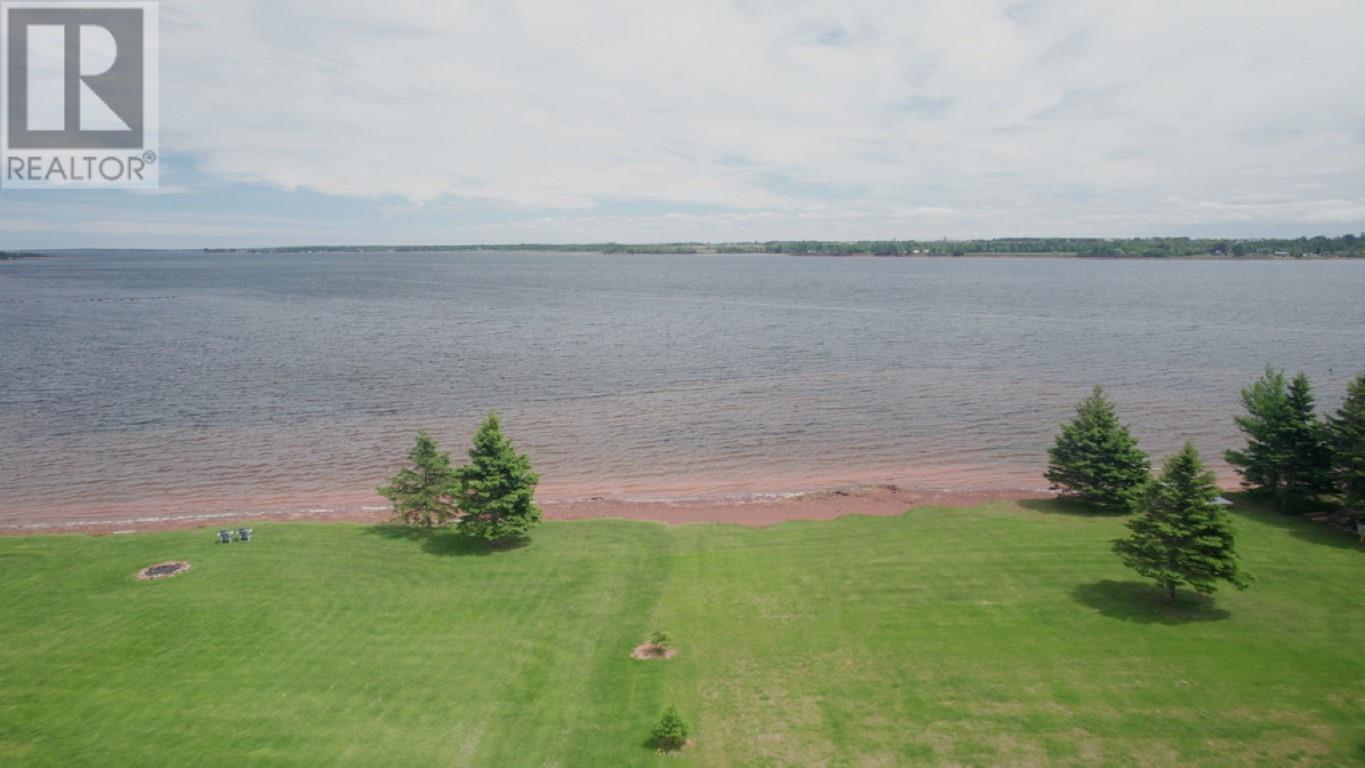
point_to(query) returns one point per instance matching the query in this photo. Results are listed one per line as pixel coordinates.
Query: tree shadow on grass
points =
(446, 542)
(1247, 505)
(1144, 603)
(1071, 507)
(652, 744)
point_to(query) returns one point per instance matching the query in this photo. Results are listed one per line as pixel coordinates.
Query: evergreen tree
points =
(1096, 458)
(1179, 535)
(1266, 426)
(1308, 473)
(422, 493)
(495, 488)
(1348, 439)
(1288, 455)
(671, 730)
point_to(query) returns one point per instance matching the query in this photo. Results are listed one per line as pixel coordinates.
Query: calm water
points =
(182, 383)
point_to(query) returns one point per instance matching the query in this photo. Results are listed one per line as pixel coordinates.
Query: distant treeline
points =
(11, 255)
(1352, 246)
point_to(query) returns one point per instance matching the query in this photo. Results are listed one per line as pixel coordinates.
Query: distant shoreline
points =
(1345, 246)
(823, 255)
(1077, 256)
(1168, 248)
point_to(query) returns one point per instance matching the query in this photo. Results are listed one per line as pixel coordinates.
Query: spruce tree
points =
(1348, 440)
(1096, 458)
(422, 493)
(671, 731)
(1179, 535)
(1288, 457)
(1308, 473)
(1266, 426)
(495, 489)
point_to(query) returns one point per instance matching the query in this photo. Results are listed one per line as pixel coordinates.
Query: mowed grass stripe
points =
(1001, 634)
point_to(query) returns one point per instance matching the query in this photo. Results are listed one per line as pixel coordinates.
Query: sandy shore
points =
(883, 500)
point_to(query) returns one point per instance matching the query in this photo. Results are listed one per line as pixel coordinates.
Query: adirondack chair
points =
(225, 537)
(244, 534)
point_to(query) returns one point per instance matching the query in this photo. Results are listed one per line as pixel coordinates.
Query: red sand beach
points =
(674, 501)
(764, 510)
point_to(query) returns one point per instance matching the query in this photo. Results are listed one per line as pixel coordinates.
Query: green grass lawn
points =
(1004, 634)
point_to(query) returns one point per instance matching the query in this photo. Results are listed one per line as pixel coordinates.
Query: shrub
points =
(661, 638)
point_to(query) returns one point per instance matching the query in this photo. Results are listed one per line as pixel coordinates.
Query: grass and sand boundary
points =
(747, 509)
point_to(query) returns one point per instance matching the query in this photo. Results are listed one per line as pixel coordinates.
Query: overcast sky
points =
(340, 121)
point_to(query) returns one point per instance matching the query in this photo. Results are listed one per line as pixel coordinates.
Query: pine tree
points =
(1266, 426)
(671, 730)
(1096, 458)
(1288, 455)
(1308, 473)
(496, 487)
(422, 493)
(1348, 439)
(1179, 535)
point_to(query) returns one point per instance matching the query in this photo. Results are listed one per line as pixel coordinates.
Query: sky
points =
(287, 122)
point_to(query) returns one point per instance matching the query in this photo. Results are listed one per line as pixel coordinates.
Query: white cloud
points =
(789, 118)
(97, 224)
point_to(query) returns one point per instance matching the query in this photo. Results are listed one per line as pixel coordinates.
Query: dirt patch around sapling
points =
(163, 570)
(672, 751)
(653, 651)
